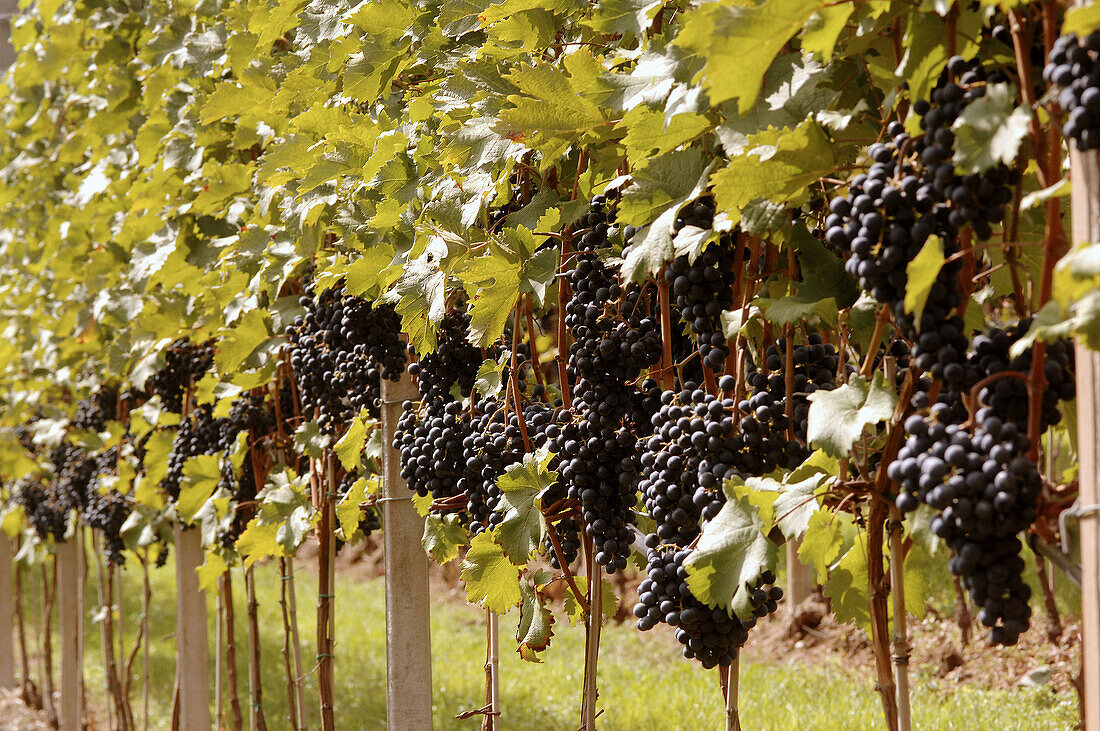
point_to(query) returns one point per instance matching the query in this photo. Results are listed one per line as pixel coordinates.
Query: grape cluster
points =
(93, 413)
(977, 199)
(107, 509)
(1008, 397)
(765, 427)
(695, 447)
(1073, 67)
(910, 193)
(495, 443)
(453, 365)
(184, 364)
(615, 337)
(710, 635)
(703, 287)
(339, 350)
(430, 443)
(986, 490)
(74, 470)
(46, 516)
(200, 433)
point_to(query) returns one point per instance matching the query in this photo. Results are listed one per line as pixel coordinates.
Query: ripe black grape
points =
(1073, 68)
(184, 364)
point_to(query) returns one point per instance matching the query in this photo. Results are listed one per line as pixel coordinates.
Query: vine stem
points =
(533, 345)
(106, 633)
(592, 640)
(513, 379)
(321, 481)
(563, 345)
(255, 686)
(229, 640)
(28, 691)
(288, 672)
(876, 336)
(299, 676)
(48, 592)
(666, 332)
(901, 636)
(729, 681)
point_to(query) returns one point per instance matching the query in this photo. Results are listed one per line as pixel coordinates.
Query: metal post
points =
(408, 634)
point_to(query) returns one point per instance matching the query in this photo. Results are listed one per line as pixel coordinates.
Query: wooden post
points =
(408, 634)
(192, 654)
(68, 617)
(800, 577)
(7, 636)
(1085, 202)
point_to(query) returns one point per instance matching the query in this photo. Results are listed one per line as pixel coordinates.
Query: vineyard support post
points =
(1085, 203)
(7, 636)
(68, 617)
(408, 634)
(191, 649)
(800, 577)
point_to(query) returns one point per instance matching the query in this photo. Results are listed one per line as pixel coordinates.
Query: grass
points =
(644, 683)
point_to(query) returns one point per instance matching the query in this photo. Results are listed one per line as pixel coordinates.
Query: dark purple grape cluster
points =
(910, 193)
(184, 364)
(615, 337)
(694, 448)
(198, 434)
(986, 490)
(107, 509)
(72, 480)
(1008, 397)
(703, 287)
(1074, 68)
(495, 443)
(977, 199)
(339, 350)
(765, 427)
(430, 441)
(93, 413)
(46, 516)
(453, 365)
(710, 635)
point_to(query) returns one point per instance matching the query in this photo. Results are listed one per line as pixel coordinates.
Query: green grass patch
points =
(644, 682)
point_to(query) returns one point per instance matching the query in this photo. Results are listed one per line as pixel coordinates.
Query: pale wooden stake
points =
(1085, 203)
(800, 577)
(192, 654)
(408, 632)
(68, 618)
(728, 678)
(7, 636)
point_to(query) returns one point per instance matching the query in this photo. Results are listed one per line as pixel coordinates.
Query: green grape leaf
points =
(443, 537)
(536, 623)
(310, 440)
(846, 586)
(823, 541)
(348, 513)
(731, 552)
(629, 18)
(738, 43)
(778, 165)
(349, 447)
(820, 34)
(200, 477)
(989, 130)
(921, 273)
(523, 528)
(492, 581)
(838, 418)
